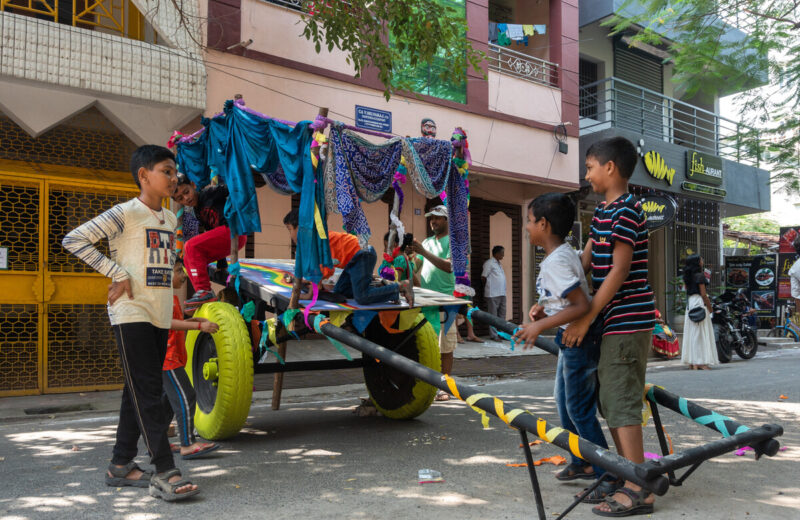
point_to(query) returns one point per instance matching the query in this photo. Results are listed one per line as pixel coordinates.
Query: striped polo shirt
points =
(632, 308)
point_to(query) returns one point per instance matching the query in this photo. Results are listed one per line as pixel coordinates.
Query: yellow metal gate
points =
(54, 329)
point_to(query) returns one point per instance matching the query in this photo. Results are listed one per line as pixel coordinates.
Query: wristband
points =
(199, 325)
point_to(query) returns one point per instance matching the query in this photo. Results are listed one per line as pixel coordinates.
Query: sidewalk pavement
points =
(487, 359)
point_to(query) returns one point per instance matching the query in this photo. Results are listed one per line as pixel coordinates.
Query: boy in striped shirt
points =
(616, 254)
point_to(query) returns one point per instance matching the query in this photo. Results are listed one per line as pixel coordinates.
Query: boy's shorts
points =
(621, 372)
(447, 342)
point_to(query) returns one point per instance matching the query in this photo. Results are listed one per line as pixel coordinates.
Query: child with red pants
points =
(212, 245)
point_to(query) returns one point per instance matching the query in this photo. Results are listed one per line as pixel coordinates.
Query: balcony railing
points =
(519, 65)
(612, 102)
(119, 17)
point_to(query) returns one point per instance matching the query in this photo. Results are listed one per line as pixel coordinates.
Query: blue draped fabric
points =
(458, 220)
(239, 143)
(192, 158)
(428, 164)
(363, 171)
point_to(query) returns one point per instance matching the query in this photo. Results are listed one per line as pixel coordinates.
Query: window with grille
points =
(587, 75)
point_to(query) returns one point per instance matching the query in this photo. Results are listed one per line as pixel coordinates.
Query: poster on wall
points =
(757, 277)
(786, 258)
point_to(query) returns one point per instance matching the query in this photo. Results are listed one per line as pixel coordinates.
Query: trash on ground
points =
(555, 460)
(429, 476)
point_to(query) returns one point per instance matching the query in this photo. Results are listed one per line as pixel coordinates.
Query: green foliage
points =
(705, 58)
(676, 295)
(385, 33)
(757, 223)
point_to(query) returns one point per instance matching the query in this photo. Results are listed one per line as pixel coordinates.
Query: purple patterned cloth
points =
(363, 171)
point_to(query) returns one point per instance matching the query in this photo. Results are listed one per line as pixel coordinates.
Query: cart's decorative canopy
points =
(239, 142)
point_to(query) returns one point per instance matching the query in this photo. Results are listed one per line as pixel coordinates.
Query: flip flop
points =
(174, 447)
(201, 451)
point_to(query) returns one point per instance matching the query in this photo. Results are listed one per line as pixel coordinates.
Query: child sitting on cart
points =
(210, 246)
(397, 264)
(357, 264)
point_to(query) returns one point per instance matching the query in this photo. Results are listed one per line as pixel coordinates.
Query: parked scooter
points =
(731, 331)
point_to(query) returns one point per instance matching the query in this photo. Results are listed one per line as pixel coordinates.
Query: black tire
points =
(749, 346)
(395, 394)
(224, 393)
(724, 352)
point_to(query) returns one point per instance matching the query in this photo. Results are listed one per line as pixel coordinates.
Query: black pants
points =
(142, 347)
(180, 400)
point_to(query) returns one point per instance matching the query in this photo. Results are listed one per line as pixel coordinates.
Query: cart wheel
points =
(220, 367)
(395, 394)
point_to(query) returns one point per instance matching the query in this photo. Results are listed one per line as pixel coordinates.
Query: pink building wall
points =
(511, 140)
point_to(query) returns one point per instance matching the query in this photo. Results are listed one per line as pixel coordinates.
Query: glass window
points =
(426, 78)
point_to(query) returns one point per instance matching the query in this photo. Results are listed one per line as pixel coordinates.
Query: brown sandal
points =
(638, 505)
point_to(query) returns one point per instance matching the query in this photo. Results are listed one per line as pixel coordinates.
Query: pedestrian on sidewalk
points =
(494, 283)
(699, 346)
(564, 298)
(436, 274)
(141, 237)
(179, 396)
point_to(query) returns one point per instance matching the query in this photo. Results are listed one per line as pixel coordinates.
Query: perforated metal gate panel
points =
(81, 350)
(55, 334)
(19, 355)
(19, 308)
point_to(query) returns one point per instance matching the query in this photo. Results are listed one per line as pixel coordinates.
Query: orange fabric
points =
(555, 460)
(387, 319)
(344, 247)
(176, 346)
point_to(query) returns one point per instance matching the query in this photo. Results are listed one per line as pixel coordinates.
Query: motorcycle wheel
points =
(724, 352)
(749, 344)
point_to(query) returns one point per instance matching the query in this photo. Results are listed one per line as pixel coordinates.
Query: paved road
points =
(316, 459)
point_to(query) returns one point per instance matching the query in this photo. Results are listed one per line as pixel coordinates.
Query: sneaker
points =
(199, 298)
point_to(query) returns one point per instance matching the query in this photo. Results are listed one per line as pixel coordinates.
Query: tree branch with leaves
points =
(393, 35)
(764, 66)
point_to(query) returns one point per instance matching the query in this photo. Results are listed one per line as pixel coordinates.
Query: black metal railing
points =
(615, 103)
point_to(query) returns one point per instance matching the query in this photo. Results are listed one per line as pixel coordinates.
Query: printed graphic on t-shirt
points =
(160, 251)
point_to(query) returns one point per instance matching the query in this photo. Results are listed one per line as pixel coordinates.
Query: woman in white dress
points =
(699, 347)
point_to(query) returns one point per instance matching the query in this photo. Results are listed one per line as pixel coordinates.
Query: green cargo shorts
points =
(620, 371)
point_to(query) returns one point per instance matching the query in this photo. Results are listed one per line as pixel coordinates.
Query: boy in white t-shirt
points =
(141, 241)
(563, 298)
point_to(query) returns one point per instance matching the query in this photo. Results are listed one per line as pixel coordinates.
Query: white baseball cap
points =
(438, 211)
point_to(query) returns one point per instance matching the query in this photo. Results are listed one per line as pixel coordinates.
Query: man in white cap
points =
(436, 274)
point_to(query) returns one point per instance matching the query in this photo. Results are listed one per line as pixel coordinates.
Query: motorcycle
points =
(731, 331)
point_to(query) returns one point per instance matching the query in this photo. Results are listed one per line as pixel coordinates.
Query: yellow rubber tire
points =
(395, 394)
(223, 400)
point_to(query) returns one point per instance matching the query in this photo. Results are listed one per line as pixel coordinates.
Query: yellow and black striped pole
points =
(734, 434)
(514, 417)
